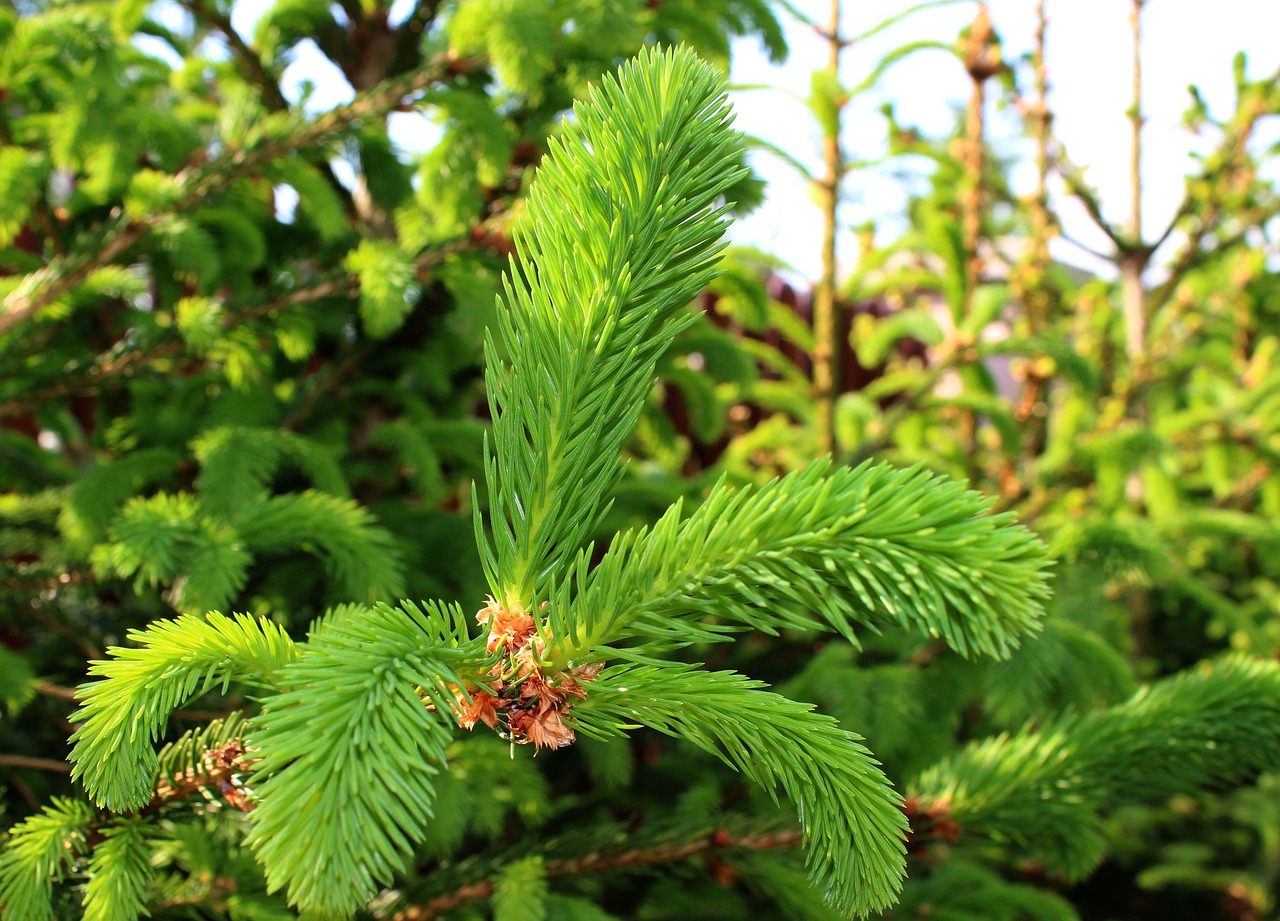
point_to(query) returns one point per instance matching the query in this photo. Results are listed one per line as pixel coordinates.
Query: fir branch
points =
(853, 822)
(618, 234)
(41, 849)
(39, 207)
(165, 539)
(268, 85)
(63, 273)
(124, 713)
(959, 889)
(819, 548)
(94, 500)
(520, 890)
(349, 753)
(237, 463)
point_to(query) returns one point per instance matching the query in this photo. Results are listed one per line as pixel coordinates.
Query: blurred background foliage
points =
(240, 369)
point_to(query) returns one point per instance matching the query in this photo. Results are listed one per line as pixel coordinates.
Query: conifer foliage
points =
(330, 772)
(620, 231)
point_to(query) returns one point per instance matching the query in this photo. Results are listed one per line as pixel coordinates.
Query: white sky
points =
(1185, 41)
(1090, 71)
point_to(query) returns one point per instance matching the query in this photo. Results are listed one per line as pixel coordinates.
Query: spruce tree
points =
(618, 234)
(334, 775)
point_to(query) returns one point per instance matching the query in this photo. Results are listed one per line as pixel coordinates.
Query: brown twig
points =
(981, 64)
(248, 59)
(826, 318)
(91, 651)
(1084, 247)
(217, 768)
(45, 583)
(1031, 277)
(978, 63)
(929, 821)
(25, 792)
(35, 764)
(603, 861)
(56, 690)
(207, 897)
(1134, 256)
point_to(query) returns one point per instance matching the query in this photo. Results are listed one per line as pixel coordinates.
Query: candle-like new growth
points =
(621, 229)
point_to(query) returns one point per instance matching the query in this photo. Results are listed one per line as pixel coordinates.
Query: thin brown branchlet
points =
(219, 767)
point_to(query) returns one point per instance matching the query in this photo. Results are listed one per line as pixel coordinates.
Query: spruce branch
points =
(64, 272)
(1074, 180)
(360, 556)
(41, 850)
(821, 548)
(201, 544)
(131, 354)
(1208, 727)
(619, 232)
(123, 714)
(854, 826)
(37, 855)
(197, 183)
(349, 753)
(119, 871)
(1204, 196)
(249, 60)
(237, 463)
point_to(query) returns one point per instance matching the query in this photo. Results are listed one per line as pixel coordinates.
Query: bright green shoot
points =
(621, 229)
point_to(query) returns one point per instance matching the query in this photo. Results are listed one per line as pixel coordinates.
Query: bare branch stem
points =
(826, 319)
(603, 861)
(36, 764)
